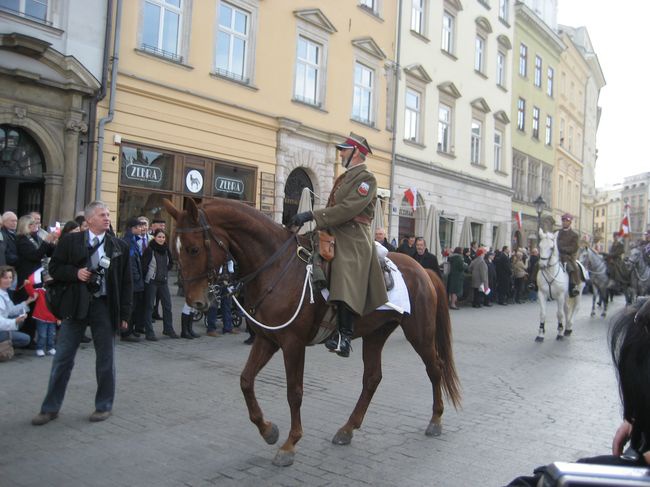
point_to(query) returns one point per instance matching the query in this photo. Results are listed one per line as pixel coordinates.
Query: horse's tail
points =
(450, 382)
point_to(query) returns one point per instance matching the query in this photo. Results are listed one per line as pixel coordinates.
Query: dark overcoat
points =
(356, 277)
(456, 274)
(567, 243)
(71, 254)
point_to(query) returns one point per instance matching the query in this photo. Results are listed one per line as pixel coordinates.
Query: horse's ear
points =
(171, 209)
(192, 209)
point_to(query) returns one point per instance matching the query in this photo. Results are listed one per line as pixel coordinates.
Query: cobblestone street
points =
(180, 418)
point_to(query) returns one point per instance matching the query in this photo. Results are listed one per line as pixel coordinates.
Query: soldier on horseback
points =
(567, 244)
(618, 274)
(356, 283)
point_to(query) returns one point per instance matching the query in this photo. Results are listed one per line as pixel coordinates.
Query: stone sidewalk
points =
(180, 418)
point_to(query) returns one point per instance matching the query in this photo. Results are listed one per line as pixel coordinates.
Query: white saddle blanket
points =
(398, 297)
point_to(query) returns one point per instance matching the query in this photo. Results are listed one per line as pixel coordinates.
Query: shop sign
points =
(228, 185)
(148, 174)
(194, 181)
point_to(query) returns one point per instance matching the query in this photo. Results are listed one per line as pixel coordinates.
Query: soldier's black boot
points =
(573, 289)
(340, 343)
(185, 321)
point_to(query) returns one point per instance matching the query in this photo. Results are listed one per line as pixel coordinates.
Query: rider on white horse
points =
(568, 243)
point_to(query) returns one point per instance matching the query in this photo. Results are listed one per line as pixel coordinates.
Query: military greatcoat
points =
(568, 243)
(356, 277)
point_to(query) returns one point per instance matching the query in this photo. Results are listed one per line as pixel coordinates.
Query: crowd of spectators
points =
(25, 250)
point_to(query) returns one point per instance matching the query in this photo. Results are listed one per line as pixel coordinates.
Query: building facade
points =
(453, 123)
(51, 65)
(538, 49)
(635, 194)
(244, 99)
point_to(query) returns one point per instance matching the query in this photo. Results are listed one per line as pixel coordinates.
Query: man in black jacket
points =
(97, 267)
(425, 258)
(9, 223)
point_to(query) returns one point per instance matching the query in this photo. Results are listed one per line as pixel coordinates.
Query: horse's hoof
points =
(567, 333)
(283, 458)
(539, 339)
(559, 337)
(434, 429)
(342, 438)
(593, 313)
(603, 315)
(272, 436)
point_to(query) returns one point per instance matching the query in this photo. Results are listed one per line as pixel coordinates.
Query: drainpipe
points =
(395, 104)
(111, 104)
(92, 115)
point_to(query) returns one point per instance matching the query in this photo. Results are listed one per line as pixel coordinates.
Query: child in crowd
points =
(45, 320)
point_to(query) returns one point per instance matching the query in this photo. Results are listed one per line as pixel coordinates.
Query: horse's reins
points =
(542, 269)
(211, 274)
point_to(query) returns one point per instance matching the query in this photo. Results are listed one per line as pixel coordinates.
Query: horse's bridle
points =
(542, 259)
(212, 274)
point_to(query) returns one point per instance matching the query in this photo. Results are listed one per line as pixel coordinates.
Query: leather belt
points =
(364, 220)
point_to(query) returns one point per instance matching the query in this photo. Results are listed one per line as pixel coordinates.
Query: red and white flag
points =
(624, 231)
(518, 219)
(411, 195)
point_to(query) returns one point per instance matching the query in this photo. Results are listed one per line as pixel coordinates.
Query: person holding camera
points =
(96, 265)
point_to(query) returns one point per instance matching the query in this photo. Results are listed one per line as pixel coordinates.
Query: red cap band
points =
(356, 144)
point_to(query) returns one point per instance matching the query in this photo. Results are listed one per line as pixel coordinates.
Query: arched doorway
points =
(21, 171)
(296, 182)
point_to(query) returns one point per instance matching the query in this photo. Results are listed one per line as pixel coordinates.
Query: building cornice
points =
(433, 169)
(528, 17)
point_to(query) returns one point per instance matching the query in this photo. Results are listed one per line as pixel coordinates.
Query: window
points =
(412, 115)
(549, 130)
(560, 191)
(571, 138)
(444, 128)
(308, 70)
(475, 143)
(521, 114)
(562, 132)
(364, 81)
(479, 54)
(549, 81)
(535, 123)
(498, 145)
(32, 9)
(538, 71)
(501, 69)
(547, 174)
(533, 182)
(369, 4)
(232, 42)
(417, 16)
(503, 10)
(448, 21)
(162, 26)
(523, 60)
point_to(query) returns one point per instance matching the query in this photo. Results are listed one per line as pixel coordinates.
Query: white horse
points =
(595, 264)
(553, 282)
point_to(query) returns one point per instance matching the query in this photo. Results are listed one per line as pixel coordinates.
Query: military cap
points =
(355, 141)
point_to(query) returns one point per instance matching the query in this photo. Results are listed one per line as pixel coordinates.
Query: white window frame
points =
(535, 126)
(479, 53)
(250, 9)
(523, 60)
(548, 139)
(538, 71)
(445, 128)
(22, 6)
(504, 10)
(521, 114)
(317, 67)
(550, 77)
(368, 90)
(418, 16)
(501, 69)
(413, 116)
(158, 49)
(498, 149)
(448, 32)
(476, 142)
(373, 6)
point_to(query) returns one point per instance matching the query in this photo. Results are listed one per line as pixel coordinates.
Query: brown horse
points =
(266, 254)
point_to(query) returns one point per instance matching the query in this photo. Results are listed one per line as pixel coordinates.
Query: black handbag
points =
(55, 292)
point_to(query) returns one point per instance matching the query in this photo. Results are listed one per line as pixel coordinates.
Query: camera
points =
(94, 284)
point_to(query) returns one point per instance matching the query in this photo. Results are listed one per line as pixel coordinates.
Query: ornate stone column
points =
(53, 194)
(73, 127)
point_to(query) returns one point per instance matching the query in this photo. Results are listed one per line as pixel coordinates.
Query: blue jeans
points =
(226, 315)
(46, 331)
(69, 340)
(18, 338)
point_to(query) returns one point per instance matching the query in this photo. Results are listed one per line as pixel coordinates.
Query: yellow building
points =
(243, 99)
(573, 77)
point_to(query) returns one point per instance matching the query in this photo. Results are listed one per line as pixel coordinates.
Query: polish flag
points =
(411, 196)
(518, 219)
(625, 222)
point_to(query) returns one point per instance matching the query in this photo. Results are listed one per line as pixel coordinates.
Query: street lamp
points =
(540, 204)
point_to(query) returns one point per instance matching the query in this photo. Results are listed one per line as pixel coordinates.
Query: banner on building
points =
(624, 231)
(518, 217)
(411, 195)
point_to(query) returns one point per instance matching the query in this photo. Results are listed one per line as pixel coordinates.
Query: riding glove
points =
(300, 219)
